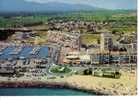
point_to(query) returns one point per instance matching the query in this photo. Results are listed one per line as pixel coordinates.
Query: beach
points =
(126, 85)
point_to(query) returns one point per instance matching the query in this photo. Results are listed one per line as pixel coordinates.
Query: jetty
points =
(35, 50)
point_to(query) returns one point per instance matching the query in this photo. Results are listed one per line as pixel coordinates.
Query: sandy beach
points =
(126, 85)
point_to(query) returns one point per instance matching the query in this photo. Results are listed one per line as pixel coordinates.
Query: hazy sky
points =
(109, 4)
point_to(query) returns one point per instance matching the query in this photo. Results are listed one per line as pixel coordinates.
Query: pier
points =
(35, 50)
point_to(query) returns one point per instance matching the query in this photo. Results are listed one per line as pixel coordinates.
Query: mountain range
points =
(24, 6)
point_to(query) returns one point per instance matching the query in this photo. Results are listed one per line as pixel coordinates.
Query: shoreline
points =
(54, 85)
(125, 85)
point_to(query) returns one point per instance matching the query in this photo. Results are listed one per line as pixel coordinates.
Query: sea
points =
(42, 92)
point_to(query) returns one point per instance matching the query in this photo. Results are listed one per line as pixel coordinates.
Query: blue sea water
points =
(25, 52)
(6, 52)
(43, 52)
(42, 92)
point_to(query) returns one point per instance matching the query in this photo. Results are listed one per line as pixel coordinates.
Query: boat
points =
(22, 57)
(35, 50)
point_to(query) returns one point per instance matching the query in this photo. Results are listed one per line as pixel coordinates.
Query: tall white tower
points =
(106, 42)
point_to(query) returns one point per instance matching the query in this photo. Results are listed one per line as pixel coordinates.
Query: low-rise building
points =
(77, 58)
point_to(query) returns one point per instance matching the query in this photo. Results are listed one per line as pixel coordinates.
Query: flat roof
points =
(85, 57)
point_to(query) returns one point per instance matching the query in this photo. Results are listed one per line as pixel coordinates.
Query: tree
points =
(87, 71)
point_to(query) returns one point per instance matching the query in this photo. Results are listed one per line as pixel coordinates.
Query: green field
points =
(89, 39)
(117, 20)
(21, 21)
(60, 70)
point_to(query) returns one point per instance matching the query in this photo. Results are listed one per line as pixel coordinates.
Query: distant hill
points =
(24, 6)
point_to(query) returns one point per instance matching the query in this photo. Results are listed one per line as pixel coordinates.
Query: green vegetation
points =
(124, 30)
(99, 15)
(108, 72)
(22, 21)
(59, 69)
(121, 20)
(102, 72)
(87, 71)
(89, 39)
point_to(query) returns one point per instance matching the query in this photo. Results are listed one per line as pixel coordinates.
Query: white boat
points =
(22, 57)
(35, 50)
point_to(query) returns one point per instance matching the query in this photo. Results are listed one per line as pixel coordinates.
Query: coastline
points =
(126, 85)
(37, 84)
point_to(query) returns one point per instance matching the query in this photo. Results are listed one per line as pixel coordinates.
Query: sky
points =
(108, 4)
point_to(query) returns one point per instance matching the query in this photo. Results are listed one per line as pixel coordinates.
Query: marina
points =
(24, 52)
(35, 50)
(16, 51)
(1, 49)
(42, 52)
